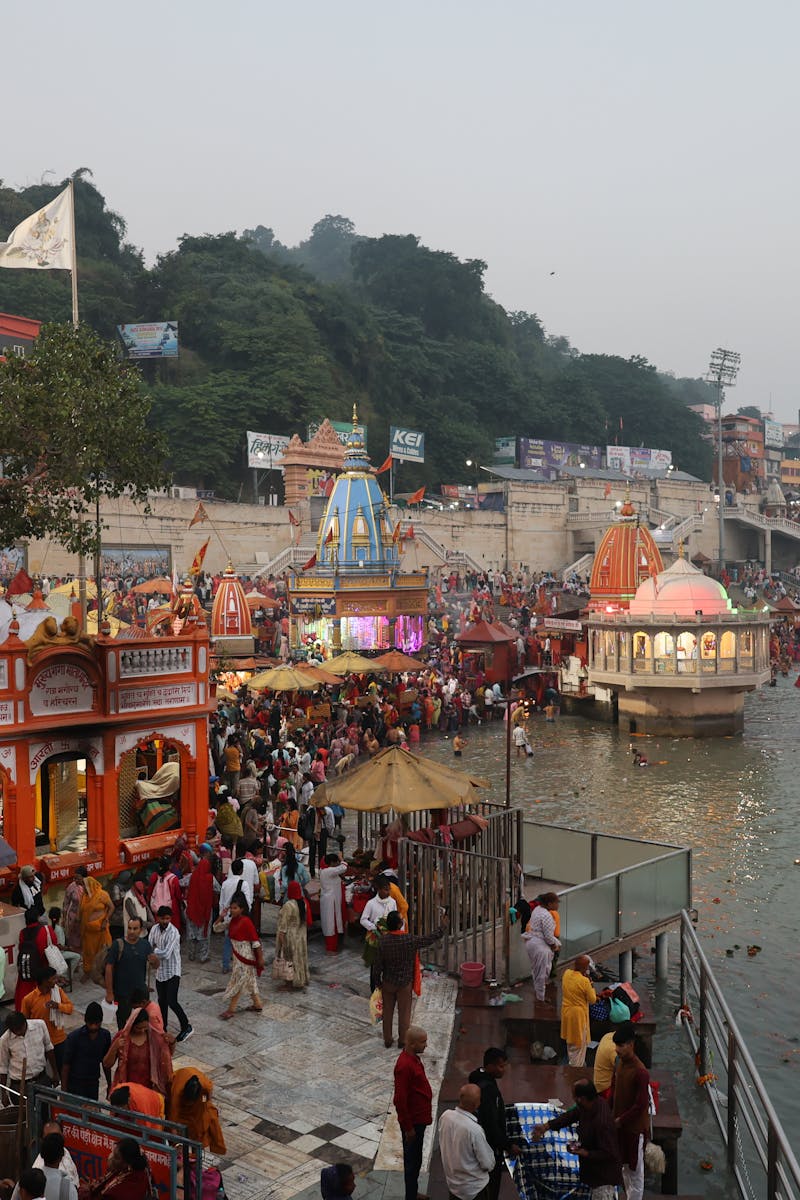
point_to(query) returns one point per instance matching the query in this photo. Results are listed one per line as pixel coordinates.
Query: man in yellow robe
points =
(577, 994)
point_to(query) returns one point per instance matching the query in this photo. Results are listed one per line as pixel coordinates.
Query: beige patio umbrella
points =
(350, 663)
(397, 779)
(72, 589)
(283, 679)
(395, 661)
(320, 674)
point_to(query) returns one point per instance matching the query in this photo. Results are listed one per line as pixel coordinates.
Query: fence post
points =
(701, 1029)
(732, 1068)
(772, 1161)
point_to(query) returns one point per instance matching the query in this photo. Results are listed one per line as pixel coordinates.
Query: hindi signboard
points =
(264, 450)
(61, 688)
(158, 339)
(160, 695)
(408, 445)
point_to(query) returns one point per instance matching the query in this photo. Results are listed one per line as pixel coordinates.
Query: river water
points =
(734, 801)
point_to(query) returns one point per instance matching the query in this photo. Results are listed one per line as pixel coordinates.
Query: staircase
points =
(581, 566)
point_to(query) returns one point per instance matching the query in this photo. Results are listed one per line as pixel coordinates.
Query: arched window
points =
(727, 644)
(642, 651)
(687, 652)
(663, 644)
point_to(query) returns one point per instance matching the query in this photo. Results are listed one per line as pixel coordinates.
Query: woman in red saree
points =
(142, 1054)
(127, 1175)
(199, 905)
(248, 959)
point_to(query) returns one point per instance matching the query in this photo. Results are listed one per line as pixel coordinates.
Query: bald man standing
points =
(467, 1157)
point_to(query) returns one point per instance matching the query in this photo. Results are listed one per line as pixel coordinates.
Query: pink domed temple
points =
(680, 659)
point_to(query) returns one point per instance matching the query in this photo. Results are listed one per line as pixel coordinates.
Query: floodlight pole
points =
(722, 371)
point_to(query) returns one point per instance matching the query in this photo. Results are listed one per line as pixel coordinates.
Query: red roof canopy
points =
(483, 633)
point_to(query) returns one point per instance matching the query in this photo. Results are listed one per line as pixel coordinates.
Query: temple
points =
(680, 659)
(103, 743)
(626, 556)
(354, 594)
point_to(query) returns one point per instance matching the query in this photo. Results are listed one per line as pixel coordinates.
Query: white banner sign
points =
(264, 450)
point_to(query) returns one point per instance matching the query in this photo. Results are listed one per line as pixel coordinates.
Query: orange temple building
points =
(626, 557)
(103, 746)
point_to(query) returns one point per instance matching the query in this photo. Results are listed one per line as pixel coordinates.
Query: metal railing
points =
(370, 824)
(758, 1150)
(474, 885)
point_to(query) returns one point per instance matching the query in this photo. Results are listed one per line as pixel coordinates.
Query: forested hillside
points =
(273, 337)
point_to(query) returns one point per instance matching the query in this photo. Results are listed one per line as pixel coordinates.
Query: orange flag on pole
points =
(197, 561)
(385, 466)
(328, 537)
(312, 562)
(200, 515)
(292, 518)
(416, 497)
(396, 533)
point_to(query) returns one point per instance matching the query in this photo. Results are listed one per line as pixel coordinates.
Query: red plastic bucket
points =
(472, 974)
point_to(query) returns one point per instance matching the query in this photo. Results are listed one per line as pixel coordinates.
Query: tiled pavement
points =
(309, 1082)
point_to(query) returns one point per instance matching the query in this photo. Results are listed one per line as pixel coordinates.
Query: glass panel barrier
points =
(588, 916)
(653, 891)
(565, 855)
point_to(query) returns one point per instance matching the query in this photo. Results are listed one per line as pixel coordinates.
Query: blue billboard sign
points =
(407, 444)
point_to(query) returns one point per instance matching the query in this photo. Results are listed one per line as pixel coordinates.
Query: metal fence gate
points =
(474, 886)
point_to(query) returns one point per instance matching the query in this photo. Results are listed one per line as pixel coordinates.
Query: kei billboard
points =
(408, 445)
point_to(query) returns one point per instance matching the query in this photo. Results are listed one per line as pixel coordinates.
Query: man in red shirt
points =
(413, 1100)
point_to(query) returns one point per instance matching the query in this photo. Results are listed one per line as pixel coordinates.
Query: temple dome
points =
(230, 615)
(626, 556)
(355, 532)
(683, 591)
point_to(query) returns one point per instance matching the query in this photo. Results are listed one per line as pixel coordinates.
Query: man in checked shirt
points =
(394, 973)
(166, 942)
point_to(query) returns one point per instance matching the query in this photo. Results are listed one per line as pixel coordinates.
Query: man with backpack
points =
(126, 969)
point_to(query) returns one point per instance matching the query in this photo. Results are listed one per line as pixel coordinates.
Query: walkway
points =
(309, 1083)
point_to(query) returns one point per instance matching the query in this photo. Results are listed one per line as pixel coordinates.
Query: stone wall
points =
(533, 531)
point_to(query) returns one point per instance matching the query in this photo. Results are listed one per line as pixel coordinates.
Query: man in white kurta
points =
(331, 906)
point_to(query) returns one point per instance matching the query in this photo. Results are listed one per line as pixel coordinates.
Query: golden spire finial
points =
(627, 509)
(680, 548)
(355, 414)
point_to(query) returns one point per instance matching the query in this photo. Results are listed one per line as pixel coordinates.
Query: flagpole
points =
(74, 249)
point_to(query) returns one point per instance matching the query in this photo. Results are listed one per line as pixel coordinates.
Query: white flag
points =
(43, 242)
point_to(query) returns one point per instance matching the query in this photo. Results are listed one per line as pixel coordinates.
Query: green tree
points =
(73, 427)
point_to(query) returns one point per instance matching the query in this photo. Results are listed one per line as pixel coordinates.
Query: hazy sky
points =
(646, 152)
